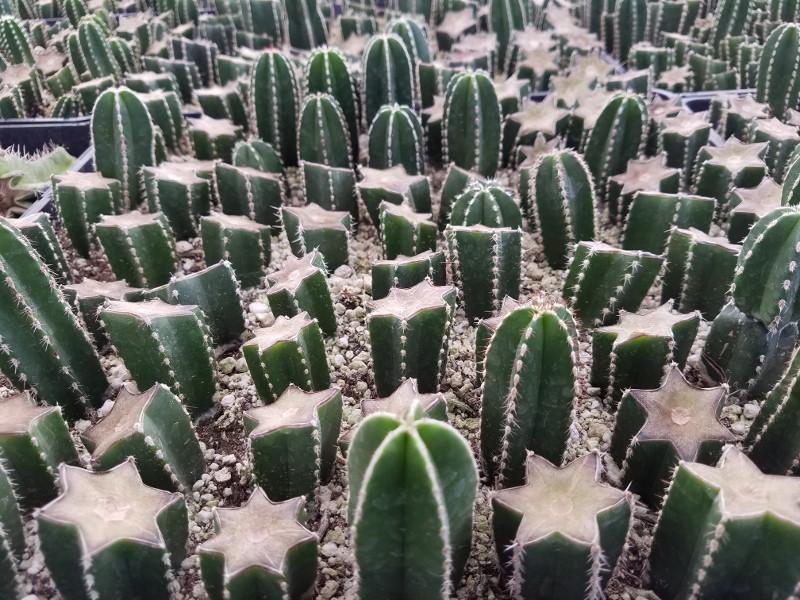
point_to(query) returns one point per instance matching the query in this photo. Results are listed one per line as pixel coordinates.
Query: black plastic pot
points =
(30, 135)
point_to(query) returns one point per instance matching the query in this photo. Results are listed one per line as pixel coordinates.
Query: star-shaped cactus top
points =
(354, 45)
(295, 271)
(404, 210)
(395, 179)
(313, 216)
(656, 323)
(569, 88)
(736, 155)
(508, 305)
(401, 400)
(109, 506)
(404, 303)
(510, 88)
(661, 108)
(19, 412)
(215, 127)
(565, 500)
(748, 108)
(477, 44)
(284, 329)
(540, 61)
(456, 22)
(590, 66)
(777, 130)
(760, 200)
(435, 112)
(183, 176)
(149, 310)
(402, 259)
(701, 237)
(85, 181)
(682, 414)
(129, 220)
(531, 39)
(644, 175)
(258, 534)
(577, 37)
(123, 420)
(91, 288)
(685, 124)
(130, 24)
(590, 105)
(236, 222)
(745, 491)
(675, 76)
(294, 408)
(539, 117)
(540, 147)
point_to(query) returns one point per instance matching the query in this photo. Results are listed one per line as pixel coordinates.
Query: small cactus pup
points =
(783, 139)
(181, 195)
(562, 203)
(242, 242)
(562, 532)
(537, 118)
(412, 483)
(396, 138)
(656, 429)
(330, 187)
(312, 227)
(634, 352)
(409, 332)
(104, 520)
(250, 192)
(290, 351)
(154, 428)
(323, 136)
(777, 79)
(748, 205)
(170, 343)
(260, 549)
(485, 265)
(393, 185)
(388, 75)
(407, 271)
(302, 285)
(34, 440)
(405, 232)
(719, 169)
(213, 139)
(645, 175)
(528, 389)
(89, 295)
(472, 123)
(711, 517)
(602, 280)
(486, 203)
(292, 441)
(38, 230)
(81, 199)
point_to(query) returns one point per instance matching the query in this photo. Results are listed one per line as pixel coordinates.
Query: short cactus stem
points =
(81, 199)
(154, 428)
(485, 265)
(224, 102)
(245, 244)
(453, 25)
(646, 175)
(34, 440)
(83, 539)
(87, 92)
(409, 331)
(179, 194)
(748, 205)
(407, 271)
(305, 25)
(200, 52)
(778, 75)
(314, 228)
(245, 191)
(292, 441)
(388, 457)
(291, 351)
(562, 203)
(681, 139)
(213, 139)
(160, 342)
(782, 138)
(528, 390)
(140, 247)
(405, 232)
(185, 73)
(712, 514)
(257, 154)
(89, 295)
(487, 204)
(635, 352)
(652, 215)
(393, 185)
(39, 231)
(396, 138)
(538, 118)
(602, 280)
(389, 75)
(330, 187)
(456, 182)
(562, 532)
(733, 116)
(323, 135)
(271, 566)
(149, 81)
(302, 285)
(733, 165)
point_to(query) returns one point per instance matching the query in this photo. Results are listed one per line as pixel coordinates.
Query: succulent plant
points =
(782, 140)
(305, 25)
(407, 271)
(15, 45)
(681, 138)
(332, 188)
(38, 230)
(185, 73)
(733, 115)
(778, 80)
(396, 138)
(179, 194)
(12, 537)
(645, 175)
(485, 203)
(213, 139)
(405, 232)
(257, 154)
(95, 49)
(200, 52)
(322, 135)
(388, 75)
(249, 192)
(393, 185)
(733, 165)
(245, 244)
(414, 36)
(224, 102)
(314, 228)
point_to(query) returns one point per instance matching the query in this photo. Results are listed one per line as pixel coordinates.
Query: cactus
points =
(266, 564)
(291, 351)
(28, 83)
(407, 271)
(255, 194)
(487, 204)
(124, 140)
(646, 175)
(401, 401)
(471, 130)
(393, 185)
(734, 164)
(528, 389)
(257, 155)
(485, 265)
(506, 18)
(562, 532)
(314, 228)
(150, 81)
(750, 204)
(602, 280)
(388, 75)
(726, 506)
(388, 458)
(224, 102)
(396, 138)
(681, 139)
(414, 37)
(39, 232)
(240, 241)
(275, 104)
(96, 51)
(213, 138)
(185, 72)
(179, 194)
(512, 93)
(405, 232)
(562, 199)
(15, 45)
(202, 53)
(453, 24)
(89, 295)
(323, 136)
(140, 247)
(302, 285)
(782, 139)
(778, 83)
(332, 188)
(88, 92)
(409, 331)
(12, 537)
(165, 111)
(292, 441)
(83, 539)
(160, 342)
(305, 24)
(456, 182)
(652, 215)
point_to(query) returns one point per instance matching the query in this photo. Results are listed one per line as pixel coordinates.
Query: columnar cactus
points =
(783, 139)
(718, 170)
(224, 102)
(388, 75)
(506, 17)
(562, 203)
(305, 24)
(323, 135)
(748, 205)
(160, 342)
(140, 247)
(12, 537)
(292, 441)
(778, 79)
(456, 182)
(649, 174)
(485, 265)
(95, 49)
(179, 194)
(388, 458)
(314, 228)
(88, 296)
(249, 192)
(291, 351)
(84, 539)
(528, 389)
(396, 138)
(409, 332)
(487, 204)
(407, 271)
(562, 532)
(39, 231)
(15, 45)
(393, 185)
(245, 244)
(537, 118)
(213, 139)
(405, 232)
(185, 72)
(414, 36)
(257, 154)
(200, 52)
(472, 128)
(730, 18)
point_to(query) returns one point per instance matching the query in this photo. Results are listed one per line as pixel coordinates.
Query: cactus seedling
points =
(778, 80)
(388, 74)
(257, 154)
(681, 138)
(213, 138)
(405, 232)
(180, 194)
(748, 205)
(39, 231)
(487, 204)
(393, 185)
(732, 115)
(291, 351)
(651, 216)
(330, 187)
(782, 138)
(102, 520)
(242, 242)
(407, 271)
(323, 136)
(645, 175)
(250, 192)
(293, 441)
(305, 24)
(561, 533)
(714, 515)
(314, 228)
(89, 295)
(260, 548)
(734, 164)
(523, 127)
(396, 138)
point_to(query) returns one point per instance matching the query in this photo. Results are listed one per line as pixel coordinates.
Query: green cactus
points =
(733, 115)
(179, 194)
(407, 271)
(224, 102)
(305, 24)
(396, 138)
(323, 136)
(778, 83)
(487, 204)
(456, 182)
(414, 36)
(96, 51)
(537, 118)
(249, 192)
(15, 45)
(393, 185)
(88, 92)
(213, 139)
(89, 295)
(718, 170)
(245, 244)
(185, 72)
(649, 174)
(332, 188)
(405, 232)
(311, 227)
(257, 154)
(652, 215)
(782, 138)
(388, 75)
(750, 204)
(12, 537)
(38, 229)
(506, 18)
(202, 53)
